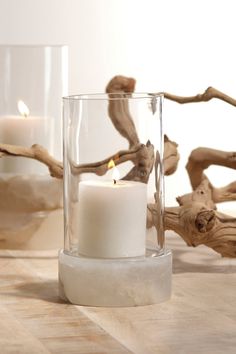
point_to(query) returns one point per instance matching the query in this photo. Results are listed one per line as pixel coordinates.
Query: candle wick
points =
(114, 181)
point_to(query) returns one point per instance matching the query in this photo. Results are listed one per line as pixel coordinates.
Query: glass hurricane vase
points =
(114, 252)
(33, 80)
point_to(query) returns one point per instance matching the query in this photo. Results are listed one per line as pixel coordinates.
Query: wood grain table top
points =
(199, 318)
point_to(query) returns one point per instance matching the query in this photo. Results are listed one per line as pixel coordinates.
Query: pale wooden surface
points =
(200, 317)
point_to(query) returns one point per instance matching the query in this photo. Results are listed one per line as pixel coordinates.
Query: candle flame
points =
(111, 164)
(23, 109)
(115, 172)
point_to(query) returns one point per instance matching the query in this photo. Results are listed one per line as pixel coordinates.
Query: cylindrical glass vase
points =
(33, 80)
(113, 201)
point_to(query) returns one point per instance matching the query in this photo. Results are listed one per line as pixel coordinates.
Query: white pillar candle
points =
(112, 219)
(24, 130)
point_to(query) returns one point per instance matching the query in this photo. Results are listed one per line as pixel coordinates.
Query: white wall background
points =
(179, 46)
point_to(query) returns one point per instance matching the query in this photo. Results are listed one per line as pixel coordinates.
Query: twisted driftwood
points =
(206, 96)
(36, 152)
(195, 219)
(119, 110)
(141, 155)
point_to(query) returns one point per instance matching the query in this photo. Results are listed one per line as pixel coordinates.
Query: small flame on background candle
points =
(115, 173)
(23, 109)
(111, 164)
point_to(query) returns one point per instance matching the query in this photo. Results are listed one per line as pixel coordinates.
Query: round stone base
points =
(115, 282)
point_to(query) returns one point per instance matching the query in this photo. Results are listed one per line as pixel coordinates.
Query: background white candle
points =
(112, 219)
(23, 129)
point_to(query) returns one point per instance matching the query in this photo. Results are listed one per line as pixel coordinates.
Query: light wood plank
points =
(38, 319)
(199, 318)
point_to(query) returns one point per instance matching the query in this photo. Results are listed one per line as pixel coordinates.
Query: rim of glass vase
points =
(113, 96)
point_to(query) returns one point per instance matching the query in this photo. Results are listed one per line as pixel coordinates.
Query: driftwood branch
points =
(198, 225)
(118, 109)
(36, 152)
(200, 159)
(171, 156)
(196, 221)
(124, 84)
(141, 155)
(121, 87)
(206, 96)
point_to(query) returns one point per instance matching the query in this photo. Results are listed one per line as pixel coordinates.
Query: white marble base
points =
(115, 282)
